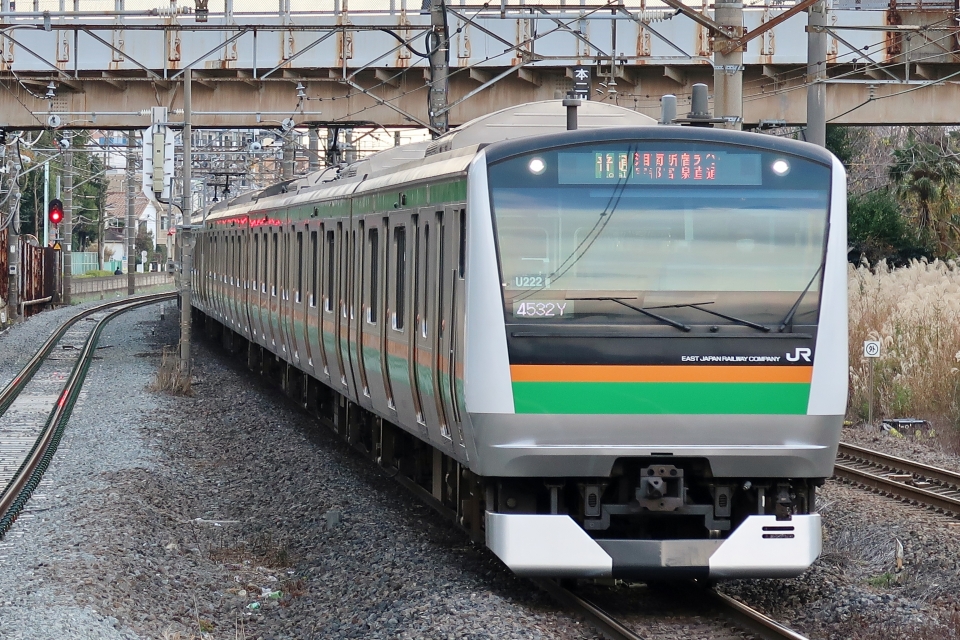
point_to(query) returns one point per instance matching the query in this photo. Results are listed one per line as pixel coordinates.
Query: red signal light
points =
(56, 211)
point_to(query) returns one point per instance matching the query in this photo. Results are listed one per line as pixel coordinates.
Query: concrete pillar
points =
(186, 231)
(131, 230)
(728, 67)
(816, 72)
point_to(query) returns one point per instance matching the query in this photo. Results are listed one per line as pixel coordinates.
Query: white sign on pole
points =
(871, 348)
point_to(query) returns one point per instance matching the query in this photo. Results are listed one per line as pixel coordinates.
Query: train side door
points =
(425, 305)
(343, 303)
(371, 319)
(357, 280)
(450, 286)
(399, 315)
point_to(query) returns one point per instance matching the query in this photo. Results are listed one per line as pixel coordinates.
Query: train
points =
(610, 350)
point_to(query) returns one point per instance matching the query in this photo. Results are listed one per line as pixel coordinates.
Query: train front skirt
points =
(556, 546)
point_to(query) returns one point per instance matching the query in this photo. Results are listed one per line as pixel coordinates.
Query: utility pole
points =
(728, 66)
(439, 59)
(186, 230)
(816, 73)
(66, 241)
(13, 242)
(314, 147)
(286, 165)
(131, 230)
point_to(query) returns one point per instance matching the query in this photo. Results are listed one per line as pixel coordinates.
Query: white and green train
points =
(619, 350)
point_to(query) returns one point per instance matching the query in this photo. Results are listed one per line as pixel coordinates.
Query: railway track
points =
(725, 610)
(36, 405)
(933, 487)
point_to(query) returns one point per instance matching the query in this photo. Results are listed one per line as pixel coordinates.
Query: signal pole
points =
(13, 244)
(66, 241)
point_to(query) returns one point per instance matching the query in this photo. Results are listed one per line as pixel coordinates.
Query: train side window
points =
(256, 259)
(299, 265)
(331, 263)
(427, 291)
(266, 257)
(374, 249)
(313, 268)
(400, 272)
(276, 261)
(462, 261)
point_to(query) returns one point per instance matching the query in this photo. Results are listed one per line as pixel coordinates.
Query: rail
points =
(934, 487)
(28, 475)
(744, 617)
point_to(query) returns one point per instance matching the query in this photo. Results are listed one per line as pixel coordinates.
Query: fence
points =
(82, 286)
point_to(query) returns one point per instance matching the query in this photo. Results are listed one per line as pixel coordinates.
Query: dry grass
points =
(169, 377)
(913, 311)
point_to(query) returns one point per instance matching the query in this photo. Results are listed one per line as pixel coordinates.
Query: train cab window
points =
(400, 246)
(331, 263)
(313, 268)
(462, 262)
(276, 262)
(299, 266)
(374, 249)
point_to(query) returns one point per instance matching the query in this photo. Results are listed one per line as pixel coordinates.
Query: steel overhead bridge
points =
(95, 64)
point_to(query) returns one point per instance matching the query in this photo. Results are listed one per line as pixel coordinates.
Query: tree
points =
(89, 193)
(876, 230)
(924, 173)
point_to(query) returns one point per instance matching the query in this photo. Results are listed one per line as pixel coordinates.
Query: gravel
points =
(232, 514)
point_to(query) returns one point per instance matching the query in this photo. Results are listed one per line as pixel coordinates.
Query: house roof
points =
(116, 200)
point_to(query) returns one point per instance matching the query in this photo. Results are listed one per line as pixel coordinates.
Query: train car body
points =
(618, 351)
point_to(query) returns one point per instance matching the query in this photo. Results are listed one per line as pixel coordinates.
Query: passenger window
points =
(463, 243)
(313, 268)
(331, 245)
(374, 268)
(276, 260)
(400, 245)
(256, 260)
(299, 265)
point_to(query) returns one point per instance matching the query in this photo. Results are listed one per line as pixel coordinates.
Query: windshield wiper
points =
(672, 323)
(696, 305)
(788, 319)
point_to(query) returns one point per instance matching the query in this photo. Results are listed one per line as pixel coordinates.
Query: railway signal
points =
(55, 213)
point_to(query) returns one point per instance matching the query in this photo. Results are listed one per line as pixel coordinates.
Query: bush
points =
(877, 231)
(913, 312)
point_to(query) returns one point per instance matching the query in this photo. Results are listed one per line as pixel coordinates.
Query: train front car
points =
(656, 355)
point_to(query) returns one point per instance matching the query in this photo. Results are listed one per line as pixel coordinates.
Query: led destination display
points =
(659, 167)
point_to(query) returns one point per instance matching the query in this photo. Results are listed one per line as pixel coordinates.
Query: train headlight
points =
(537, 166)
(781, 167)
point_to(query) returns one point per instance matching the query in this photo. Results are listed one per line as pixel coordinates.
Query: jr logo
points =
(800, 352)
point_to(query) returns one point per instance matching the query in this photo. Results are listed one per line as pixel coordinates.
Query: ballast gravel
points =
(232, 514)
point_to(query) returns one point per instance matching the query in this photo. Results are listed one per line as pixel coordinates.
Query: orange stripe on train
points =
(658, 373)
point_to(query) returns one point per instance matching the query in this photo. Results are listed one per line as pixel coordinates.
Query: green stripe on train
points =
(660, 397)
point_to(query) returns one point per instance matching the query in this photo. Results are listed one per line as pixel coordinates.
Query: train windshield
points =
(686, 230)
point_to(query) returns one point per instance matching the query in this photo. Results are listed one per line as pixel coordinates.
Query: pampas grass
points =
(915, 312)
